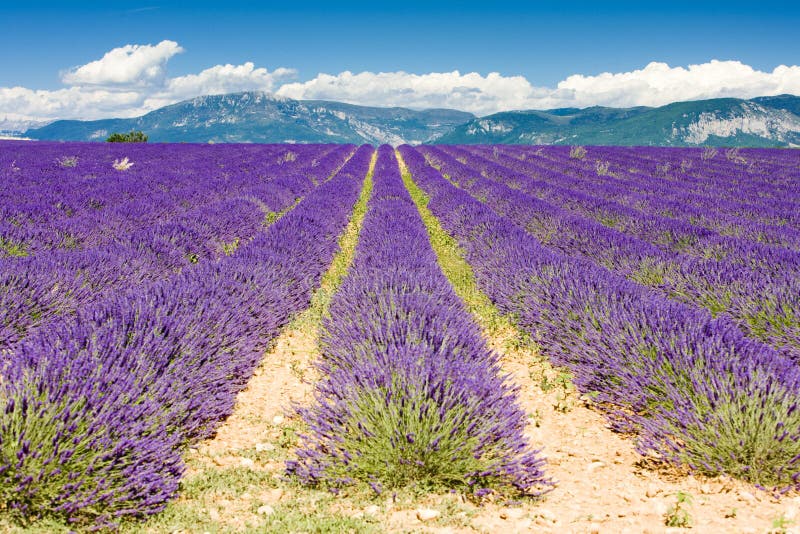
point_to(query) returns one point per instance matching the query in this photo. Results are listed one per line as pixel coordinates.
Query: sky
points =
(99, 59)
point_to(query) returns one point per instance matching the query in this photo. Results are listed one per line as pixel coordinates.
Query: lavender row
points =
(763, 306)
(95, 413)
(693, 388)
(654, 196)
(36, 290)
(734, 176)
(767, 173)
(755, 206)
(671, 235)
(736, 197)
(65, 190)
(410, 393)
(46, 206)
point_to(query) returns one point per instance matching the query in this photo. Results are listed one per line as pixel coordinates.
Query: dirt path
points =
(236, 481)
(602, 486)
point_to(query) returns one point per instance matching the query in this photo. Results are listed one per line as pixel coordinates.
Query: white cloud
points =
(658, 84)
(127, 82)
(137, 65)
(219, 79)
(70, 102)
(471, 92)
(133, 79)
(655, 85)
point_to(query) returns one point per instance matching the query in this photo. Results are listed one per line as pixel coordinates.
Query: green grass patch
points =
(9, 248)
(333, 277)
(455, 267)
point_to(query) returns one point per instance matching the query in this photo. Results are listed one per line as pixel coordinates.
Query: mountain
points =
(14, 127)
(762, 121)
(255, 117)
(262, 118)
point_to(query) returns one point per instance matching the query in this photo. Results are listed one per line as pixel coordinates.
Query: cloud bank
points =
(130, 65)
(134, 79)
(129, 81)
(654, 85)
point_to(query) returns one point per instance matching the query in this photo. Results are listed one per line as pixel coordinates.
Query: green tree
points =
(137, 136)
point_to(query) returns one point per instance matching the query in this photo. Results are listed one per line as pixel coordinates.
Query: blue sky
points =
(544, 42)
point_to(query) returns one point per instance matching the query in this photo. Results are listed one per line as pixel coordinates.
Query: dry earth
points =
(603, 485)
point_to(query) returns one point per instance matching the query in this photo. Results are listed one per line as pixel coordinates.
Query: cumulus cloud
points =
(134, 79)
(129, 81)
(136, 65)
(658, 84)
(471, 92)
(654, 85)
(220, 79)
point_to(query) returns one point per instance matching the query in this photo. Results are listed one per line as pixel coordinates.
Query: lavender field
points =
(141, 286)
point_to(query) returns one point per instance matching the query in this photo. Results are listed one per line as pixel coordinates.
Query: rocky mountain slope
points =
(255, 117)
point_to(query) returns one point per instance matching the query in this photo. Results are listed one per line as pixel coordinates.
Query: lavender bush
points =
(410, 392)
(764, 303)
(96, 409)
(695, 390)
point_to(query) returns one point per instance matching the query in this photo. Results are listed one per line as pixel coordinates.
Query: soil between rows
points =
(603, 484)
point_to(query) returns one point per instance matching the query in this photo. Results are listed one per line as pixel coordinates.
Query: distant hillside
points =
(256, 117)
(763, 121)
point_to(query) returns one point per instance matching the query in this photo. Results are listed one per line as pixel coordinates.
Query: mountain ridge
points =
(264, 118)
(761, 121)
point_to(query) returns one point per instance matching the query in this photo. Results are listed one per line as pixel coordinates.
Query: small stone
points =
(555, 459)
(262, 447)
(274, 466)
(512, 513)
(213, 514)
(246, 462)
(426, 514)
(746, 496)
(660, 507)
(277, 420)
(372, 509)
(274, 495)
(357, 515)
(652, 490)
(523, 525)
(594, 528)
(542, 522)
(597, 464)
(706, 489)
(546, 514)
(265, 510)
